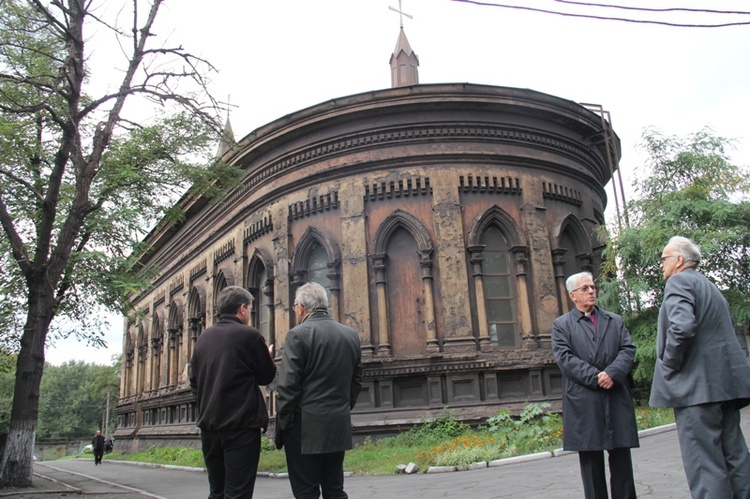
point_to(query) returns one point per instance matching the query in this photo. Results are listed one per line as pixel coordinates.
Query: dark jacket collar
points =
(318, 314)
(578, 315)
(230, 318)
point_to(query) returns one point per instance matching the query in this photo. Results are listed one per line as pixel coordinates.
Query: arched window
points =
(405, 300)
(196, 318)
(219, 284)
(318, 259)
(499, 288)
(571, 254)
(317, 267)
(157, 336)
(402, 263)
(128, 361)
(174, 331)
(142, 353)
(260, 285)
(498, 258)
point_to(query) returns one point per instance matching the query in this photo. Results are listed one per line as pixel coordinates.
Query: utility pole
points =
(106, 417)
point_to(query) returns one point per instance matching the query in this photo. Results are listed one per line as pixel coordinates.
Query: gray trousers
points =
(714, 452)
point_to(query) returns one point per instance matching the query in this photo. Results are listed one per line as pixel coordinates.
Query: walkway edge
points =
(497, 462)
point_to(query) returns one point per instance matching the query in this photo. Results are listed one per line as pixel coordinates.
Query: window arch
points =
(196, 317)
(498, 262)
(260, 285)
(571, 253)
(157, 338)
(317, 259)
(174, 349)
(220, 282)
(499, 288)
(128, 360)
(403, 278)
(142, 353)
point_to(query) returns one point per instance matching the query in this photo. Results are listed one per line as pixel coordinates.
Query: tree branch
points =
(23, 182)
(16, 243)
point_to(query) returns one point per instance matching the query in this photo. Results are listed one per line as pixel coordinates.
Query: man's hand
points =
(270, 349)
(605, 381)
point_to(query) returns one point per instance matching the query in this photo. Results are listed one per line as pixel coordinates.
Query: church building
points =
(442, 219)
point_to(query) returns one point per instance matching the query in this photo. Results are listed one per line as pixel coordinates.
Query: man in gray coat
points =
(319, 381)
(703, 374)
(595, 354)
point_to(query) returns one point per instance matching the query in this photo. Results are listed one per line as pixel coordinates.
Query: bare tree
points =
(78, 180)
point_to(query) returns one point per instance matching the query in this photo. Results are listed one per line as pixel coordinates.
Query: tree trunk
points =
(16, 462)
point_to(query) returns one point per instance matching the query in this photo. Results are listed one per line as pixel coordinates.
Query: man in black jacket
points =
(319, 382)
(594, 351)
(97, 445)
(229, 362)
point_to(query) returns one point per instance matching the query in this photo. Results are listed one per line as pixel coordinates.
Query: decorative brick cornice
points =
(177, 285)
(313, 205)
(225, 251)
(198, 271)
(431, 133)
(489, 185)
(425, 369)
(560, 193)
(159, 298)
(398, 189)
(256, 229)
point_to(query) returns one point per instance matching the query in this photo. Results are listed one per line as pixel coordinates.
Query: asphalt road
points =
(657, 467)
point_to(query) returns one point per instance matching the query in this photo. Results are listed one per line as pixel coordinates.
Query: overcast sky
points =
(276, 57)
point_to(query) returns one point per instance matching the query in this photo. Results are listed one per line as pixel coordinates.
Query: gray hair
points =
(572, 282)
(312, 296)
(689, 251)
(231, 299)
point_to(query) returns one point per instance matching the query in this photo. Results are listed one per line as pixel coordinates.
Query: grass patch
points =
(441, 442)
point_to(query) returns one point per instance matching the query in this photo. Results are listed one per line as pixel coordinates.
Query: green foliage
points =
(73, 399)
(649, 417)
(535, 427)
(7, 380)
(446, 442)
(177, 456)
(689, 187)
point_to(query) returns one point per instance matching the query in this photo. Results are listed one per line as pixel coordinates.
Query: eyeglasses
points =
(585, 288)
(664, 258)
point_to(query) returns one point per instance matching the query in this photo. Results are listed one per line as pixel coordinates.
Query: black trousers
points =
(231, 459)
(311, 474)
(594, 477)
(98, 456)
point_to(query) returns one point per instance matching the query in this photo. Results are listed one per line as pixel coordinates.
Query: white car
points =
(88, 448)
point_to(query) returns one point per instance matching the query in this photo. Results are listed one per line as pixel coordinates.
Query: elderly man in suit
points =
(595, 354)
(703, 374)
(319, 381)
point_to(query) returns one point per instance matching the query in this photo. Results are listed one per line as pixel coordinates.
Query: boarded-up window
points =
(404, 287)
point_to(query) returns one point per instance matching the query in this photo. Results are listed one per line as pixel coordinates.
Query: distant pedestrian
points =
(703, 374)
(319, 381)
(594, 351)
(229, 362)
(97, 445)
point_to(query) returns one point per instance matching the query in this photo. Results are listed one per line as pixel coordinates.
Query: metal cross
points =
(228, 104)
(401, 13)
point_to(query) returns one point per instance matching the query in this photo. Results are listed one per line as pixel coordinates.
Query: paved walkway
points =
(657, 466)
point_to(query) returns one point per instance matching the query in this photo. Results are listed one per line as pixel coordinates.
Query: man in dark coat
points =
(595, 354)
(319, 381)
(97, 445)
(229, 362)
(703, 374)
